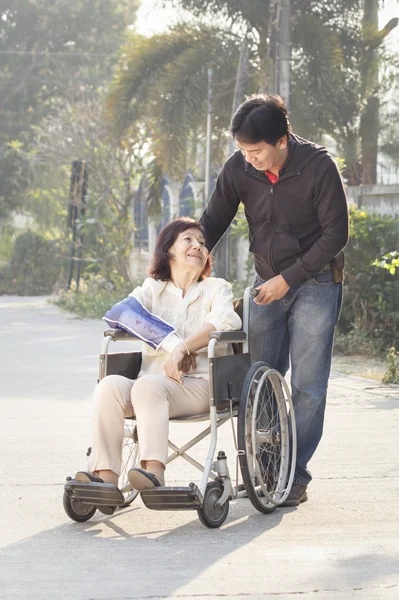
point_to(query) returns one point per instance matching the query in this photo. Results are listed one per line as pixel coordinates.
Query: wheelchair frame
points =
(209, 499)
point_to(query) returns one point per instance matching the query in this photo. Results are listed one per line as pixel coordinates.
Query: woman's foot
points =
(107, 476)
(144, 480)
(86, 477)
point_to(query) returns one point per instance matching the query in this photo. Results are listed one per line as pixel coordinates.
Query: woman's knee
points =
(111, 389)
(149, 388)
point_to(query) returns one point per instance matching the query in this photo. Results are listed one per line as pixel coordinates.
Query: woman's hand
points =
(188, 362)
(172, 365)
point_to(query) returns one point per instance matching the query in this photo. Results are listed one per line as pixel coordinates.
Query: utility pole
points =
(208, 153)
(229, 248)
(283, 51)
(219, 254)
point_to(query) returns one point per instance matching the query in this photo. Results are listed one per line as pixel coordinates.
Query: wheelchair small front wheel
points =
(209, 514)
(77, 511)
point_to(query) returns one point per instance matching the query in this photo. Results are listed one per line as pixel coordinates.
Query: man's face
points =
(264, 156)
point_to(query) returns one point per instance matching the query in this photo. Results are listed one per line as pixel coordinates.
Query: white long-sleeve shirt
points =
(208, 301)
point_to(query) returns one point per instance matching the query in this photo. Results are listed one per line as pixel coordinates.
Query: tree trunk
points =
(369, 124)
(350, 152)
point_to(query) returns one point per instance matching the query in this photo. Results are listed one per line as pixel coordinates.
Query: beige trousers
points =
(153, 399)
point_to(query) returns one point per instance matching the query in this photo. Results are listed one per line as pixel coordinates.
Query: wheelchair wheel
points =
(210, 515)
(266, 435)
(77, 511)
(130, 460)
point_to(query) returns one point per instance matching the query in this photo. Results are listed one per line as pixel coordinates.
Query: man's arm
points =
(332, 212)
(222, 206)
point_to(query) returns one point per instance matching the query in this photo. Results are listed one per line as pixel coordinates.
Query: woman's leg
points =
(111, 406)
(156, 399)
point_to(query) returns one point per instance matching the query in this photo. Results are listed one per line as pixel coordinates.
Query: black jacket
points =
(296, 226)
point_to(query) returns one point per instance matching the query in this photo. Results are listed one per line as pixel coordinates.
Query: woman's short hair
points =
(261, 118)
(160, 266)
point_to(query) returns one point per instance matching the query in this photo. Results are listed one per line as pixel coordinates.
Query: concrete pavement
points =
(342, 544)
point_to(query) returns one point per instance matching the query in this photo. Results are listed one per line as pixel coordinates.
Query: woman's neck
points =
(183, 279)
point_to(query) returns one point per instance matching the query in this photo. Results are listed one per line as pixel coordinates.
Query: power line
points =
(56, 53)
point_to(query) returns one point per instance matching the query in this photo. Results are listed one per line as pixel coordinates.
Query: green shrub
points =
(6, 244)
(392, 374)
(94, 298)
(34, 266)
(370, 309)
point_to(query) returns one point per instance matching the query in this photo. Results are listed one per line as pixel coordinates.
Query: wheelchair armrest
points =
(228, 336)
(119, 334)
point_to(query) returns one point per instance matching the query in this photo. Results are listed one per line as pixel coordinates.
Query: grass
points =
(358, 365)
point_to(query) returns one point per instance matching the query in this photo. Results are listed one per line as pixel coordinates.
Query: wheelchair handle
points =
(228, 336)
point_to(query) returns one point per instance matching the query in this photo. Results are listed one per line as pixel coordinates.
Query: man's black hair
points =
(261, 118)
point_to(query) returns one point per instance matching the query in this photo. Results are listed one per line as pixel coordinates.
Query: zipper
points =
(274, 227)
(272, 186)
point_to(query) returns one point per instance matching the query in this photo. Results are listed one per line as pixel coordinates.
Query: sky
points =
(152, 18)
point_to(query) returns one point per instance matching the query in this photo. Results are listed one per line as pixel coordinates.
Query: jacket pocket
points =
(285, 248)
(260, 243)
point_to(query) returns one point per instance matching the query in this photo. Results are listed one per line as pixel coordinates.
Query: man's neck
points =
(276, 168)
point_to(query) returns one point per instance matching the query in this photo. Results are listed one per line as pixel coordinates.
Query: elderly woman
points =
(173, 381)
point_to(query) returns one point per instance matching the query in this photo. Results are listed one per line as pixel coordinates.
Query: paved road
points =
(342, 544)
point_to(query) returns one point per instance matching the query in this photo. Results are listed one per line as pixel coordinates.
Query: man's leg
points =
(312, 319)
(268, 333)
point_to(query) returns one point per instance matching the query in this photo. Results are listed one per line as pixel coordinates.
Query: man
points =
(296, 210)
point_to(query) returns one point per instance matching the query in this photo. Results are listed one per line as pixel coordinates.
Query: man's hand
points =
(272, 290)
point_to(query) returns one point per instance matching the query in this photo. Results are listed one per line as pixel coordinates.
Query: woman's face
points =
(189, 251)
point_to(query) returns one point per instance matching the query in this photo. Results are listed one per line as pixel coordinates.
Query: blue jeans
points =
(300, 327)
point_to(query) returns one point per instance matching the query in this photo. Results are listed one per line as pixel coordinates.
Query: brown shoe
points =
(297, 495)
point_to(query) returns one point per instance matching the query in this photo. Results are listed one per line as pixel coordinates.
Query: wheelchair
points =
(257, 401)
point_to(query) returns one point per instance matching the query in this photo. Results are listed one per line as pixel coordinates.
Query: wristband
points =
(188, 351)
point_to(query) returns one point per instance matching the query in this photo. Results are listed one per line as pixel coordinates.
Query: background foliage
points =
(78, 82)
(370, 311)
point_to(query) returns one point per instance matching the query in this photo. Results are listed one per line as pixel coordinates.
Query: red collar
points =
(271, 177)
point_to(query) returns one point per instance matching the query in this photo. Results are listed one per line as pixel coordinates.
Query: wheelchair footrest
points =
(97, 494)
(172, 498)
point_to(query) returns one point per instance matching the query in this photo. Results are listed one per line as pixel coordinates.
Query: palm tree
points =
(161, 87)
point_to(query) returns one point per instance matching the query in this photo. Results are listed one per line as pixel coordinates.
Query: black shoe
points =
(86, 477)
(143, 480)
(297, 495)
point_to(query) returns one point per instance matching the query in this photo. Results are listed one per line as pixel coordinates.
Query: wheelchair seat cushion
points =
(131, 316)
